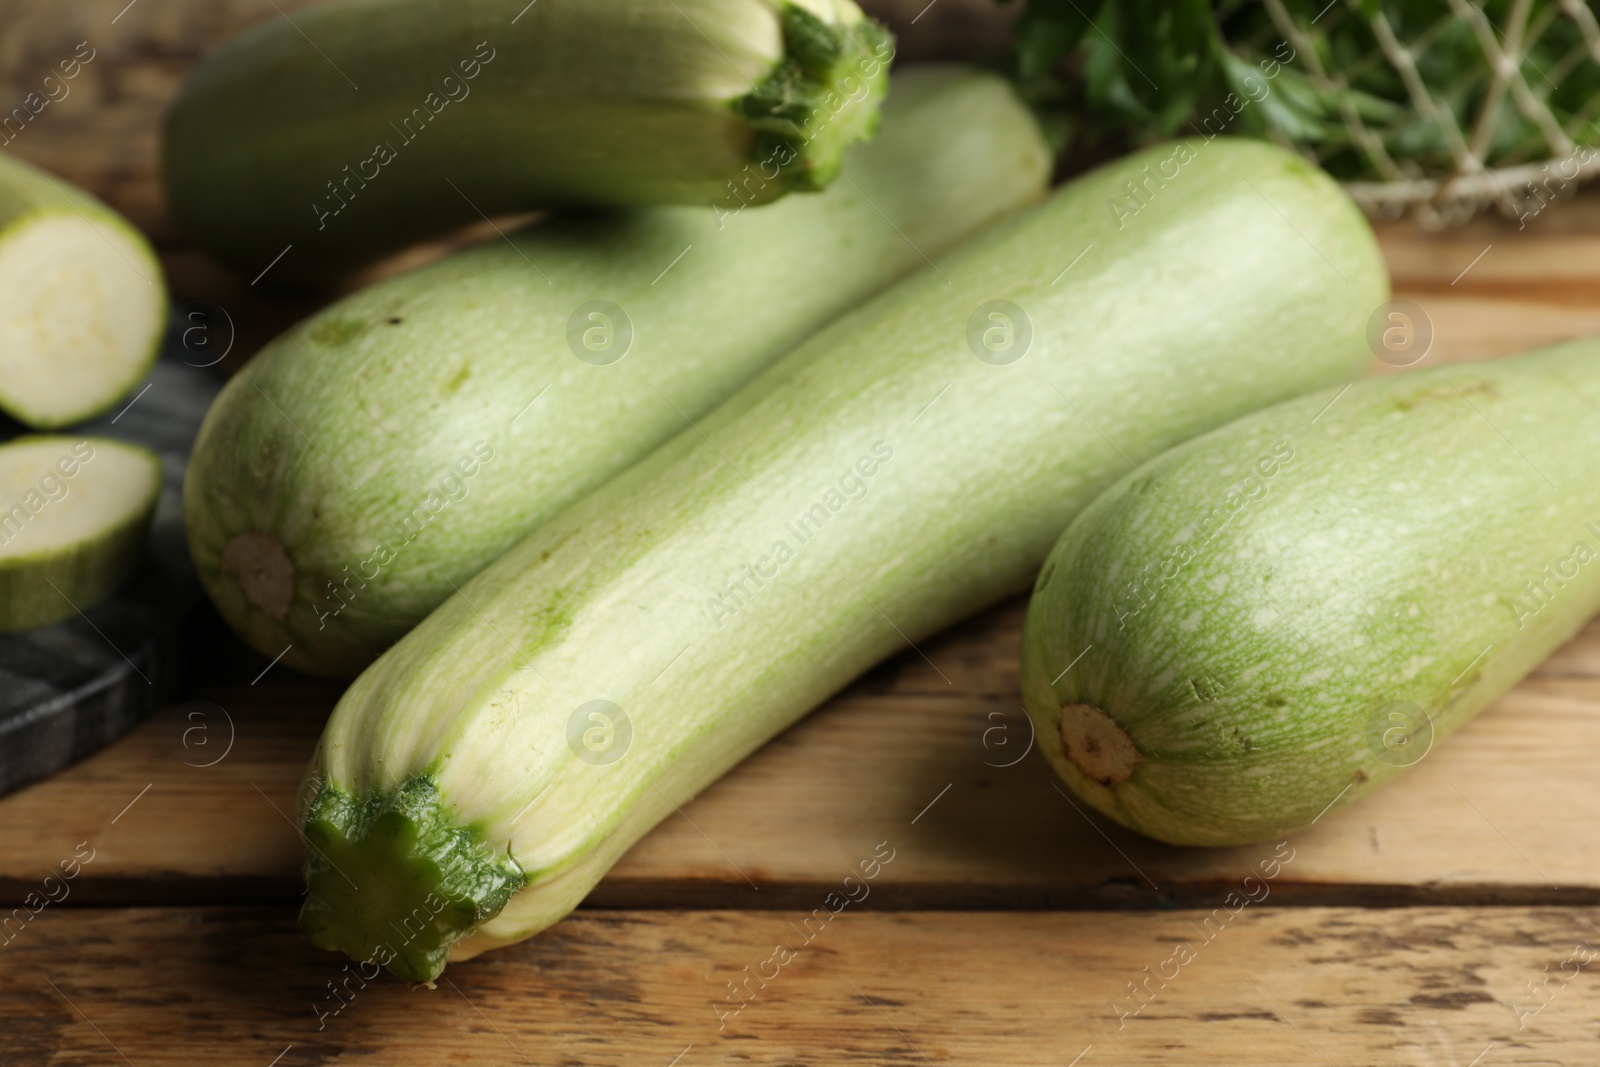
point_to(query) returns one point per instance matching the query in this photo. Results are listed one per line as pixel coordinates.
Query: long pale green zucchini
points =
(350, 129)
(378, 455)
(1296, 607)
(74, 512)
(82, 301)
(906, 466)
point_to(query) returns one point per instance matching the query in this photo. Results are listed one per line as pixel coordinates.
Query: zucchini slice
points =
(82, 303)
(74, 512)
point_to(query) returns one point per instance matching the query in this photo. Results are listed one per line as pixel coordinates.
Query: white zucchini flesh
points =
(74, 512)
(82, 305)
(905, 467)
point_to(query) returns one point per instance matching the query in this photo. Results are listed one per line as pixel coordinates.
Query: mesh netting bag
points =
(1437, 108)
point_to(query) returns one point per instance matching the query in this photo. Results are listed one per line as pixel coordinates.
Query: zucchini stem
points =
(1097, 745)
(820, 99)
(427, 880)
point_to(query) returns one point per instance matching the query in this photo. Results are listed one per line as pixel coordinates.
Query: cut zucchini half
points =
(82, 304)
(74, 512)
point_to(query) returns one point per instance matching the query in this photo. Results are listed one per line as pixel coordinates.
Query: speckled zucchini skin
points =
(1293, 609)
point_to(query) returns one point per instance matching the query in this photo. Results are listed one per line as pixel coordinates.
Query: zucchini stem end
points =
(392, 878)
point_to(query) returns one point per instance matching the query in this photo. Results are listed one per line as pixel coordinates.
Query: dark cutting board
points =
(66, 690)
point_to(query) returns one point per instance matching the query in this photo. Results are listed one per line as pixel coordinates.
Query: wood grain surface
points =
(1449, 919)
(1256, 986)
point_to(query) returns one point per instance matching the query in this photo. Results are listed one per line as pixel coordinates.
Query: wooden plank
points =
(1476, 326)
(1425, 986)
(103, 133)
(1505, 811)
(1557, 248)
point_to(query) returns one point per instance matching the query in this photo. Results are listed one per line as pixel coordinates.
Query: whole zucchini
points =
(378, 455)
(358, 127)
(1296, 607)
(905, 467)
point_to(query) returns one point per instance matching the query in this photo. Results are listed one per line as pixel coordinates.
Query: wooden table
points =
(1447, 920)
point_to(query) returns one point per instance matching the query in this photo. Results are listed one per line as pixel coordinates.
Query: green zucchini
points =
(377, 456)
(82, 301)
(1293, 609)
(355, 128)
(903, 468)
(74, 513)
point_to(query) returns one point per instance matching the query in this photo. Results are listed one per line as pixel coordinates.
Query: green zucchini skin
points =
(25, 190)
(375, 457)
(874, 486)
(1295, 608)
(359, 127)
